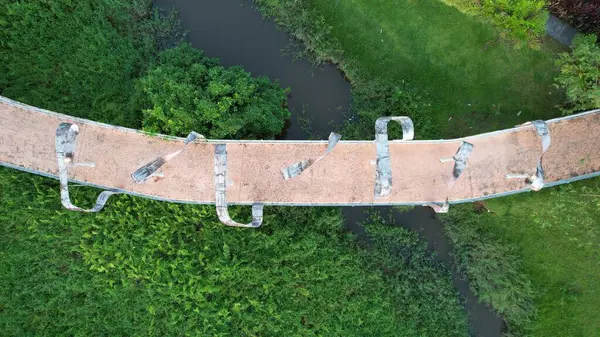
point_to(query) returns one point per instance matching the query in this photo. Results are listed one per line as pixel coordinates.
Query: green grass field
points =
(471, 75)
(557, 234)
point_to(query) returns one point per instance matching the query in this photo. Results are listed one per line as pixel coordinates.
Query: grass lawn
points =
(557, 234)
(472, 76)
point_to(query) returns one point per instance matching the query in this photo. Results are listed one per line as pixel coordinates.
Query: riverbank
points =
(473, 79)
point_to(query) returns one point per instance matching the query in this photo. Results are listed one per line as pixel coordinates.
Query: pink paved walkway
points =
(346, 176)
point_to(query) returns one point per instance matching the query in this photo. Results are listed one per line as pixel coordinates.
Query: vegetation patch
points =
(580, 74)
(425, 295)
(493, 268)
(522, 20)
(188, 91)
(382, 98)
(79, 57)
(143, 267)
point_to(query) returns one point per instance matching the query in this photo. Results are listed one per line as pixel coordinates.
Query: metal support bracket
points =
(66, 139)
(383, 174)
(460, 160)
(439, 208)
(297, 168)
(221, 192)
(536, 181)
(145, 172)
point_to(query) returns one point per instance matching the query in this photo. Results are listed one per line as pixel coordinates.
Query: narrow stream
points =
(235, 32)
(423, 220)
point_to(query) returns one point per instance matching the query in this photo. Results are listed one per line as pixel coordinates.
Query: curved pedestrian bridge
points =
(335, 172)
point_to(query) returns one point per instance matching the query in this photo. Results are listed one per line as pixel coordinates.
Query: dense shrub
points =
(78, 57)
(493, 269)
(580, 74)
(582, 14)
(188, 91)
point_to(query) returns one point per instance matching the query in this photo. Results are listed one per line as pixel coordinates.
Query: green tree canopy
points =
(188, 91)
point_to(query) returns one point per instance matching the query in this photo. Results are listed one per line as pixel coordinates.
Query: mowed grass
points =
(557, 232)
(479, 80)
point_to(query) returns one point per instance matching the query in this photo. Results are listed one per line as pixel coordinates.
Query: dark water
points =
(235, 32)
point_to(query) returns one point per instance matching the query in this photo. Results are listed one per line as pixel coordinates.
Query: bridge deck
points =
(346, 176)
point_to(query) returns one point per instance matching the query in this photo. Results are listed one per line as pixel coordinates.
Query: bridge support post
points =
(221, 193)
(383, 174)
(460, 159)
(66, 139)
(151, 169)
(439, 208)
